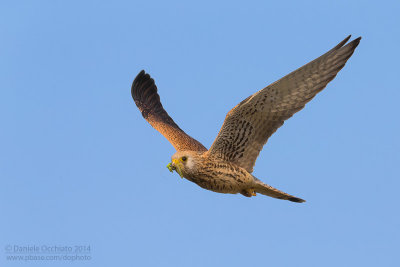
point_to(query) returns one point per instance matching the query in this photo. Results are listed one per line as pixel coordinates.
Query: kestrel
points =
(227, 166)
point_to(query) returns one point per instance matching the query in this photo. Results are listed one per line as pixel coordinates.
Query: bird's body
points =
(215, 175)
(227, 166)
(221, 176)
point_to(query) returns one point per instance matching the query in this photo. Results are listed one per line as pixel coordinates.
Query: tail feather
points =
(275, 193)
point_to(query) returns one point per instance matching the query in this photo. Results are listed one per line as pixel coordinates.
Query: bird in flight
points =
(227, 166)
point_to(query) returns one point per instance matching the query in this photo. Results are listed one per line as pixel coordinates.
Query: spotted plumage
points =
(227, 166)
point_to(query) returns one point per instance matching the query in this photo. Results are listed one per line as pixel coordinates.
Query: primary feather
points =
(248, 126)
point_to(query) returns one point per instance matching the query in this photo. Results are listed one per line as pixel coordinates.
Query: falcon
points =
(228, 165)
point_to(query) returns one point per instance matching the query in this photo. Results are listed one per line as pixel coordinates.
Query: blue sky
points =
(80, 166)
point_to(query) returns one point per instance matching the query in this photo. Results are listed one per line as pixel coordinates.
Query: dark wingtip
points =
(347, 39)
(296, 199)
(356, 41)
(144, 93)
(140, 84)
(353, 43)
(139, 79)
(342, 43)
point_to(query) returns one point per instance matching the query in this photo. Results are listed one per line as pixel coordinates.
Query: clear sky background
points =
(80, 166)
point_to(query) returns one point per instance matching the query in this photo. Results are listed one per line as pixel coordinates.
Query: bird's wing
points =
(248, 125)
(144, 93)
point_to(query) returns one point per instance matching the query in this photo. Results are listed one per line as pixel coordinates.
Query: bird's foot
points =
(248, 192)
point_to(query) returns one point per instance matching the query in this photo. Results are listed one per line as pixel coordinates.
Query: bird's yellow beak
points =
(175, 165)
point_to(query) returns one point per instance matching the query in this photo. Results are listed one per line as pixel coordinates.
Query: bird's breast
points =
(220, 177)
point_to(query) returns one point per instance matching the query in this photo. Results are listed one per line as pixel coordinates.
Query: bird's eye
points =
(184, 158)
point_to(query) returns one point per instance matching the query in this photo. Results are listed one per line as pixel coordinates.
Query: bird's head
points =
(184, 162)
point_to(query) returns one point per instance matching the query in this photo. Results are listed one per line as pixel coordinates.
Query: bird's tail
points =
(273, 192)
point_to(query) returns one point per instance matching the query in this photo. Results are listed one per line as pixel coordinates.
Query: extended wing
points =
(144, 93)
(248, 126)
